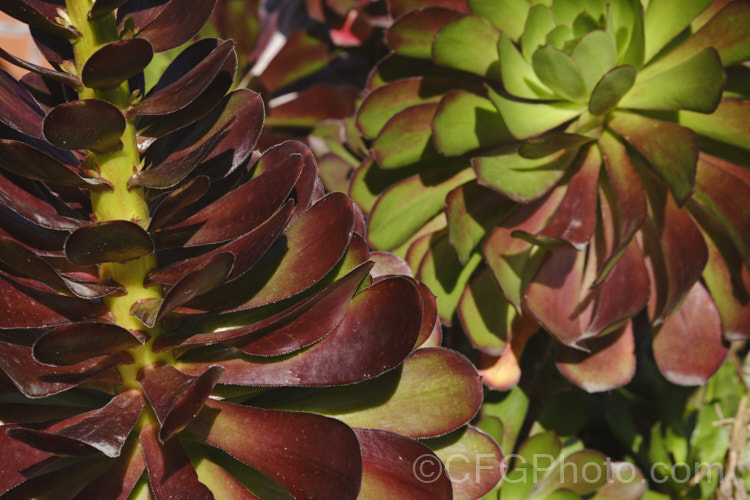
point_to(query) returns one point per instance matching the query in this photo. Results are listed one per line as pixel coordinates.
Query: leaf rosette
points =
(186, 317)
(569, 165)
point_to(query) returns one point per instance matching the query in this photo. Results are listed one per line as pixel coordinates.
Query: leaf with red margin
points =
(169, 96)
(728, 124)
(108, 241)
(407, 138)
(430, 334)
(431, 381)
(485, 315)
(116, 62)
(237, 212)
(176, 23)
(397, 467)
(101, 431)
(301, 55)
(18, 461)
(609, 364)
(20, 111)
(376, 334)
(309, 455)
(670, 149)
(119, 478)
(387, 264)
(313, 105)
(503, 372)
(246, 249)
(411, 35)
(26, 307)
(76, 343)
(36, 380)
(689, 347)
(512, 259)
(169, 469)
(474, 462)
(176, 397)
(27, 161)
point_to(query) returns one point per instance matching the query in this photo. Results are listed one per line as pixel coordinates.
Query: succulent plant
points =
(184, 317)
(571, 165)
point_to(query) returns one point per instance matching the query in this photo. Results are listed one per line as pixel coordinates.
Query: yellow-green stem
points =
(120, 203)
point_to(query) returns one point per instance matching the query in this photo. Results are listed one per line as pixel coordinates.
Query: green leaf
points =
(625, 24)
(538, 24)
(596, 54)
(665, 19)
(565, 11)
(509, 16)
(565, 414)
(559, 37)
(406, 138)
(485, 315)
(526, 119)
(610, 89)
(694, 85)
(510, 408)
(411, 35)
(468, 43)
(404, 207)
(547, 144)
(558, 71)
(519, 78)
(523, 179)
(464, 121)
(728, 124)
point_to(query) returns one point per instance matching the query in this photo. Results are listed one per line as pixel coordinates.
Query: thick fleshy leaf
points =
(109, 241)
(397, 467)
(300, 56)
(522, 179)
(103, 7)
(508, 16)
(527, 119)
(313, 105)
(485, 315)
(539, 22)
(560, 72)
(627, 482)
(472, 210)
(384, 102)
(609, 90)
(116, 62)
(221, 473)
(610, 362)
(17, 460)
(689, 347)
(27, 161)
(625, 24)
(665, 19)
(68, 480)
(58, 76)
(473, 460)
(176, 397)
(670, 149)
(411, 35)
(85, 124)
(430, 380)
(419, 196)
(169, 468)
(39, 17)
(519, 77)
(169, 209)
(464, 121)
(468, 43)
(103, 431)
(174, 92)
(176, 23)
(399, 7)
(76, 343)
(595, 54)
(374, 324)
(503, 372)
(119, 478)
(547, 144)
(237, 212)
(694, 85)
(309, 455)
(728, 123)
(406, 138)
(20, 111)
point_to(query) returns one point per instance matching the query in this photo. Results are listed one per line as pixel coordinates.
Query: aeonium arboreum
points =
(570, 165)
(183, 318)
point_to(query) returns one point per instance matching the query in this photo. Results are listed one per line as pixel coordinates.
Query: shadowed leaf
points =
(76, 343)
(110, 241)
(176, 23)
(411, 35)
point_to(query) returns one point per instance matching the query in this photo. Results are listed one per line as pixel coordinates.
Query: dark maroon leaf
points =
(177, 94)
(116, 62)
(610, 362)
(103, 7)
(31, 163)
(175, 397)
(376, 334)
(246, 250)
(55, 49)
(20, 111)
(18, 461)
(48, 93)
(59, 76)
(169, 209)
(301, 55)
(169, 469)
(85, 124)
(37, 212)
(76, 343)
(309, 455)
(397, 467)
(119, 478)
(103, 431)
(109, 241)
(689, 347)
(176, 23)
(313, 105)
(399, 7)
(30, 14)
(172, 172)
(237, 212)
